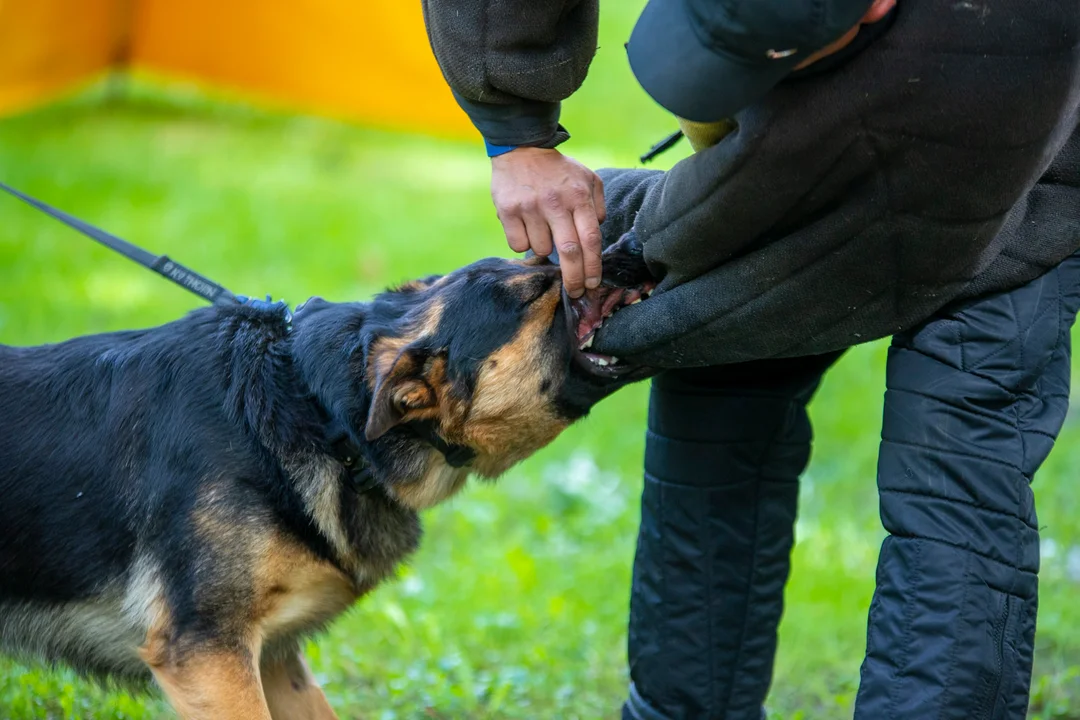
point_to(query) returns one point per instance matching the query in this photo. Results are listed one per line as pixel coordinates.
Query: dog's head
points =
(492, 358)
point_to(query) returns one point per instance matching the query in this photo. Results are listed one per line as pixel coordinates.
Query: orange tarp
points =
(46, 46)
(363, 60)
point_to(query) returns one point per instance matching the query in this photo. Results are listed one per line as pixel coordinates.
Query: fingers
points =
(546, 200)
(538, 229)
(570, 256)
(516, 237)
(591, 241)
(598, 198)
(588, 213)
(524, 225)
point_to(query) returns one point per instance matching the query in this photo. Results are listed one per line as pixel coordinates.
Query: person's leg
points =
(723, 455)
(975, 399)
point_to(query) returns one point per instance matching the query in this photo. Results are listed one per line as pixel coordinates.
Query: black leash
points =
(161, 264)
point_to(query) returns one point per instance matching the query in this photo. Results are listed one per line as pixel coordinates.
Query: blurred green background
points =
(515, 606)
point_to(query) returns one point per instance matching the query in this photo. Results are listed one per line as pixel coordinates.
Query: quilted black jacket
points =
(940, 163)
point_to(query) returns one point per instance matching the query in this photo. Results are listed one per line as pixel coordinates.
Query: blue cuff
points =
(496, 150)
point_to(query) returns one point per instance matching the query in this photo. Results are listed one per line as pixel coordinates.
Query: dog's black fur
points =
(177, 495)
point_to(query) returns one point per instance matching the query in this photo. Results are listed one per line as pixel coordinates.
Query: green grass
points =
(515, 606)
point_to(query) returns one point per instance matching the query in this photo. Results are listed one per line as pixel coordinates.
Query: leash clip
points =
(267, 305)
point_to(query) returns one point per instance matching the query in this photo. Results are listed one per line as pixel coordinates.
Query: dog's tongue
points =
(594, 306)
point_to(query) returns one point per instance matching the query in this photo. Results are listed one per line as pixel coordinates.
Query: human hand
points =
(544, 200)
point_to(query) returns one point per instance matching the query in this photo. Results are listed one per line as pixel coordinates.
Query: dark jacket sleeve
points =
(510, 63)
(624, 193)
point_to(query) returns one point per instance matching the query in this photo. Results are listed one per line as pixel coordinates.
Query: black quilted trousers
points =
(975, 399)
(974, 403)
(722, 461)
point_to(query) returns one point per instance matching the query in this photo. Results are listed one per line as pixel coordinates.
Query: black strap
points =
(361, 479)
(662, 146)
(456, 455)
(161, 264)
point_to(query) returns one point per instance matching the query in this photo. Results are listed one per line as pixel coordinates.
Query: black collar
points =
(362, 479)
(456, 455)
(349, 454)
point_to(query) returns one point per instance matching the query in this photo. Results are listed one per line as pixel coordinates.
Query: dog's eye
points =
(535, 291)
(532, 297)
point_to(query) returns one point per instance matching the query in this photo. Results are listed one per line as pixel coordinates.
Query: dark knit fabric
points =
(940, 163)
(511, 63)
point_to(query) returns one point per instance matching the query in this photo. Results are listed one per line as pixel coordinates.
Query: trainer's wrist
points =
(497, 150)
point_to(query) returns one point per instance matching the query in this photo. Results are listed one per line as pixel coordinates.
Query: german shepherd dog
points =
(185, 504)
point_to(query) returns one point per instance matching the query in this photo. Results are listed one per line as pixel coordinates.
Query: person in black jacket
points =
(861, 171)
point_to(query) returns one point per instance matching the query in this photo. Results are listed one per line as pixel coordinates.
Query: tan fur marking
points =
(438, 484)
(429, 323)
(510, 419)
(415, 395)
(414, 285)
(295, 591)
(212, 516)
(213, 686)
(452, 409)
(144, 600)
(384, 352)
(292, 692)
(205, 683)
(155, 649)
(523, 279)
(411, 286)
(317, 481)
(291, 590)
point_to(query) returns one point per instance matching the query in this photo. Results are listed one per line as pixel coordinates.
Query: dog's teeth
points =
(588, 343)
(614, 360)
(636, 301)
(602, 362)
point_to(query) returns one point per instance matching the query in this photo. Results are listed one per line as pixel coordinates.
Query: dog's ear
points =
(402, 393)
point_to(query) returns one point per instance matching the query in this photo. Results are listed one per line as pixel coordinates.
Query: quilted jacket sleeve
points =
(510, 63)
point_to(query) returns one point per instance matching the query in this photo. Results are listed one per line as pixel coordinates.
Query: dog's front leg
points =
(208, 683)
(292, 691)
